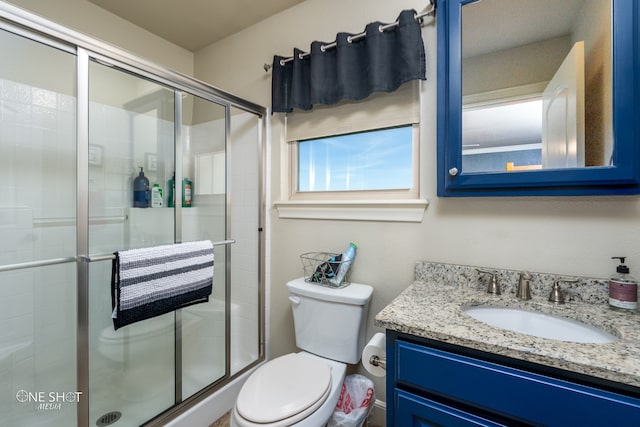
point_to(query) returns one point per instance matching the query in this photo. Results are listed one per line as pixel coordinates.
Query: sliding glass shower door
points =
(203, 158)
(135, 136)
(37, 233)
(81, 123)
(131, 132)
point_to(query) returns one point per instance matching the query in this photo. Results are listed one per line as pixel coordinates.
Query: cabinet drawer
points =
(510, 392)
(412, 410)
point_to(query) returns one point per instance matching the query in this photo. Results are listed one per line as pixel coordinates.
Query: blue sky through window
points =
(374, 160)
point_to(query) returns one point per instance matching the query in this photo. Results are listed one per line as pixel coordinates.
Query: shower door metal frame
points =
(82, 233)
(85, 48)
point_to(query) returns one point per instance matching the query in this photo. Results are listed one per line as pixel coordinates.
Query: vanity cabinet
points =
(433, 383)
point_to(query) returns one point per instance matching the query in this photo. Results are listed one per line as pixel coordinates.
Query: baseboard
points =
(378, 416)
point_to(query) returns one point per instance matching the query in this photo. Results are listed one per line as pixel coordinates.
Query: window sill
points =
(355, 210)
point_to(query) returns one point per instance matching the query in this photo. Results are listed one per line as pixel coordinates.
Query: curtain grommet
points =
(349, 40)
(300, 56)
(380, 29)
(323, 48)
(282, 62)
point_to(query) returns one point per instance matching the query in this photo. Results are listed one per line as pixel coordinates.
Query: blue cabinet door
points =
(416, 411)
(489, 388)
(622, 177)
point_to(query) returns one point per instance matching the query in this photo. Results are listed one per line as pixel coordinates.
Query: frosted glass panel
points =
(245, 225)
(37, 222)
(131, 129)
(38, 347)
(37, 151)
(203, 325)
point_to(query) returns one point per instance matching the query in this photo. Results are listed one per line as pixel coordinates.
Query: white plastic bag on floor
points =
(355, 402)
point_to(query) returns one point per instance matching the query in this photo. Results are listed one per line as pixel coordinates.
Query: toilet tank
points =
(330, 322)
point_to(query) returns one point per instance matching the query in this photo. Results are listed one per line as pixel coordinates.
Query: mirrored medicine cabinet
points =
(538, 97)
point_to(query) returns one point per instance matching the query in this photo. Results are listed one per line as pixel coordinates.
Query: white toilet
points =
(302, 389)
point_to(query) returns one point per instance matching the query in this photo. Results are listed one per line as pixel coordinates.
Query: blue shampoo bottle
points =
(141, 190)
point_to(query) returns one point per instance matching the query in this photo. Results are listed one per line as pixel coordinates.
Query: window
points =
(375, 164)
(372, 160)
(357, 161)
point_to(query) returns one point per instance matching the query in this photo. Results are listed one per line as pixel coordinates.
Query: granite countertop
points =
(432, 306)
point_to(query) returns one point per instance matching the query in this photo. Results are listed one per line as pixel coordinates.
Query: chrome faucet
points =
(557, 294)
(523, 291)
(493, 287)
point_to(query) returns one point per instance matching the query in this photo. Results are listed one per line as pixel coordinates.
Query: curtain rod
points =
(431, 11)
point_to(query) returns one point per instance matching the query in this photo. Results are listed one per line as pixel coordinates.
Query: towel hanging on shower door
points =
(148, 282)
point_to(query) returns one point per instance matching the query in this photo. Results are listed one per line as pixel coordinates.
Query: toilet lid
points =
(283, 387)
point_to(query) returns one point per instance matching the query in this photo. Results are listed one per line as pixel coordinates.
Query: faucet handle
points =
(493, 287)
(557, 294)
(524, 290)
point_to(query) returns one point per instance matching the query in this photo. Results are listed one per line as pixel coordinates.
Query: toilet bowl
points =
(298, 389)
(302, 389)
(139, 340)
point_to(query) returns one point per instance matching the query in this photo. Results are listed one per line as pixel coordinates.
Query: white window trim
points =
(362, 210)
(388, 205)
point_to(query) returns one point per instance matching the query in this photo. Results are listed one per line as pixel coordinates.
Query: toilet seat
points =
(284, 391)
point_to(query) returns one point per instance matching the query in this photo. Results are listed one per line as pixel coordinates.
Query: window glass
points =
(381, 159)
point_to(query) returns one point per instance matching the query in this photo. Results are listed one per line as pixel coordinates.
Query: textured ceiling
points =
(194, 24)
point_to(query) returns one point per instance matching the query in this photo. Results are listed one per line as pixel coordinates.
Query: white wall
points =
(87, 18)
(566, 235)
(514, 67)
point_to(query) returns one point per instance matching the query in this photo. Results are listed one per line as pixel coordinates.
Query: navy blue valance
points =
(381, 61)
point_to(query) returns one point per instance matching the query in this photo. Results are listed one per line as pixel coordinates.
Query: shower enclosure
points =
(79, 120)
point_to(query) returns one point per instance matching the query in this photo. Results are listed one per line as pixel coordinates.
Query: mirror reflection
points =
(536, 83)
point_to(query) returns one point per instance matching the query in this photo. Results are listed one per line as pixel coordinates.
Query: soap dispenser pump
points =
(141, 190)
(623, 288)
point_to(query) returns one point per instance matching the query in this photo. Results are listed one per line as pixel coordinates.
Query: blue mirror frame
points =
(621, 178)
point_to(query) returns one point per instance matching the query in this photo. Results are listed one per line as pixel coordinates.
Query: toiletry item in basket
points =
(156, 196)
(327, 269)
(141, 190)
(345, 263)
(623, 288)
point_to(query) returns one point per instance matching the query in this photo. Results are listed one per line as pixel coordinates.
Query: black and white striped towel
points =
(148, 282)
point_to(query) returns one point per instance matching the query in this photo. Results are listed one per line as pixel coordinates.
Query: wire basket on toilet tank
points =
(324, 268)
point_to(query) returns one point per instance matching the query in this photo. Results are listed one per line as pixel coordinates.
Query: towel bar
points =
(105, 257)
(31, 264)
(83, 258)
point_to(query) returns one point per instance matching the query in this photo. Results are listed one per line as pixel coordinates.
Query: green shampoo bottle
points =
(171, 188)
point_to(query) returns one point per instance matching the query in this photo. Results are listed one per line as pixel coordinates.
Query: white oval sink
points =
(539, 324)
